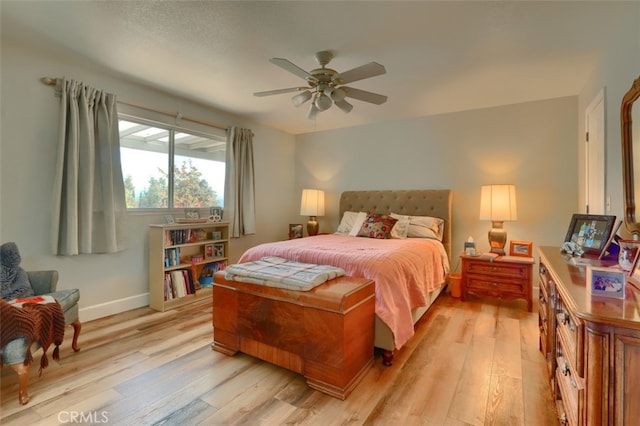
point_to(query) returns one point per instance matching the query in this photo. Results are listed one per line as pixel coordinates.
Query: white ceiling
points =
(440, 56)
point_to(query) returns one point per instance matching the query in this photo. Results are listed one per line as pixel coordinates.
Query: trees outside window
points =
(149, 151)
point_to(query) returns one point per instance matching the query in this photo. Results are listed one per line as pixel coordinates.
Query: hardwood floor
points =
(472, 363)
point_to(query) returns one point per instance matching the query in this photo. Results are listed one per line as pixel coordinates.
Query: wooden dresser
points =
(326, 333)
(591, 344)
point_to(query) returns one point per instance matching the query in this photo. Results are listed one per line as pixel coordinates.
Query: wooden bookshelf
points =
(180, 255)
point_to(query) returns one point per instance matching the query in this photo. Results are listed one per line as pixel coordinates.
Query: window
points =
(149, 150)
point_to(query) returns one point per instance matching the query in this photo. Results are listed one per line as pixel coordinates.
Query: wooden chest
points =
(325, 334)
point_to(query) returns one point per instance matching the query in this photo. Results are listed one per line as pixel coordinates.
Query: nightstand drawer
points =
(499, 269)
(501, 285)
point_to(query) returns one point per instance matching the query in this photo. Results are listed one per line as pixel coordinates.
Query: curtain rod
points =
(49, 81)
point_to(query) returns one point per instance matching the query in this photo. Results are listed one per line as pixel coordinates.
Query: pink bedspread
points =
(405, 271)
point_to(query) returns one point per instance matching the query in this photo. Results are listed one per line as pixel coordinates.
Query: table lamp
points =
(312, 205)
(498, 204)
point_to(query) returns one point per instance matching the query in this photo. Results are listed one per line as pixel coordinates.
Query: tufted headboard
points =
(417, 202)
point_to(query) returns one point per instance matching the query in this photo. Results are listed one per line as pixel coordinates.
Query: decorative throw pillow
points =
(423, 226)
(14, 281)
(357, 224)
(401, 228)
(347, 222)
(377, 226)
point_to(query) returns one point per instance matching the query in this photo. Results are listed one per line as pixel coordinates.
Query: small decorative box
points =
(197, 258)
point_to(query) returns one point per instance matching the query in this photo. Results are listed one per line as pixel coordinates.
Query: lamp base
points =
(497, 238)
(312, 226)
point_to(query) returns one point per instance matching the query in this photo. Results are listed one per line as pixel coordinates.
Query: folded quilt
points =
(282, 273)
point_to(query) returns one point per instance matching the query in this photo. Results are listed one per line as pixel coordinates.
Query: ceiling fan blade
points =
(371, 69)
(344, 106)
(363, 95)
(292, 68)
(279, 91)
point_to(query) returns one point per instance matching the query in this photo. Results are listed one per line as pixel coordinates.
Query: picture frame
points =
(169, 219)
(192, 213)
(218, 250)
(521, 248)
(607, 282)
(215, 214)
(590, 232)
(208, 251)
(295, 231)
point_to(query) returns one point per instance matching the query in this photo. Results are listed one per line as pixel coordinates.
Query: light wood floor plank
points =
(469, 363)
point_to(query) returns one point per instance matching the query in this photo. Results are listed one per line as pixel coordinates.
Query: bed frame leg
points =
(387, 357)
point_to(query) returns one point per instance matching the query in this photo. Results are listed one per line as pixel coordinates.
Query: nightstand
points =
(506, 277)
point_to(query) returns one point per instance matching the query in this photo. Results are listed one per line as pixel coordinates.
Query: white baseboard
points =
(114, 307)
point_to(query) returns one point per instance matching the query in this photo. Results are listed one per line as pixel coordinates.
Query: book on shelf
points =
(180, 236)
(179, 283)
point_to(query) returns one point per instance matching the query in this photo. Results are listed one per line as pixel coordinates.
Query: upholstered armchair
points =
(14, 352)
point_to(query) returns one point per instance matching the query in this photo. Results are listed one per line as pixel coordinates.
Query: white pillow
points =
(401, 228)
(357, 224)
(424, 227)
(348, 221)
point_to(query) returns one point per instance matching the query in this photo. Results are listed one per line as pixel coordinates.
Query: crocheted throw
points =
(41, 322)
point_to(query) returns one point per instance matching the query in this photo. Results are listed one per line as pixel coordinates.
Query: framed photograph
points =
(218, 250)
(169, 219)
(606, 282)
(521, 248)
(591, 232)
(295, 230)
(208, 251)
(192, 214)
(215, 214)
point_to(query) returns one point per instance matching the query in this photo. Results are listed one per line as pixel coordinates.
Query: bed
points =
(405, 286)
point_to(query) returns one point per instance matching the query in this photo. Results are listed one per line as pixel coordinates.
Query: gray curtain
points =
(239, 192)
(89, 208)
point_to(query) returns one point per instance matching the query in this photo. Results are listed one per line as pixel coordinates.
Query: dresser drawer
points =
(570, 333)
(571, 392)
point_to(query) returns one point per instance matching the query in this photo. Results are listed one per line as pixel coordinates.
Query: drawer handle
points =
(573, 382)
(563, 419)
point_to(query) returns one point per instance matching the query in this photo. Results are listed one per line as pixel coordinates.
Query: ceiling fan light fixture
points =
(313, 111)
(301, 98)
(338, 95)
(344, 106)
(323, 102)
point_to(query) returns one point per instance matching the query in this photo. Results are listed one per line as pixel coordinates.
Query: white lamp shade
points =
(498, 203)
(312, 203)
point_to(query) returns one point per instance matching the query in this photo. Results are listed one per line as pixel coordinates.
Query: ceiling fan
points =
(325, 85)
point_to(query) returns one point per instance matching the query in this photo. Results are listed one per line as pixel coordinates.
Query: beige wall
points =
(531, 145)
(615, 73)
(108, 283)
